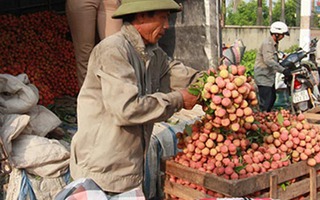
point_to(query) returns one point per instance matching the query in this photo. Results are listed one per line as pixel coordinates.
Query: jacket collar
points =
(135, 39)
(275, 44)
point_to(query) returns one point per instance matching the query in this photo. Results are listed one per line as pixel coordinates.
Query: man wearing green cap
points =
(130, 85)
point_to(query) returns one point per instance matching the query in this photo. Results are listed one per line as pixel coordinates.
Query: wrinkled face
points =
(152, 28)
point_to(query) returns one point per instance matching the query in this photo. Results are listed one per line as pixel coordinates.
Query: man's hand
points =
(189, 100)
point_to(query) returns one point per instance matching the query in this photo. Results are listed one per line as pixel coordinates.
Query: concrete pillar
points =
(305, 23)
(194, 36)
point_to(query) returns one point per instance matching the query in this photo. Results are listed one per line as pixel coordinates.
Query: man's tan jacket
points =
(267, 64)
(128, 87)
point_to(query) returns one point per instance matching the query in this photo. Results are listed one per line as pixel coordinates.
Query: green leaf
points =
(205, 76)
(211, 73)
(239, 168)
(285, 158)
(210, 111)
(283, 186)
(194, 91)
(188, 129)
(239, 152)
(280, 118)
(241, 159)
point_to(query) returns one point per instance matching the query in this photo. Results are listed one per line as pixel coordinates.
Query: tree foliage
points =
(290, 12)
(246, 14)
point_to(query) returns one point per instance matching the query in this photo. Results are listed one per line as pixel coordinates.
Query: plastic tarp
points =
(163, 144)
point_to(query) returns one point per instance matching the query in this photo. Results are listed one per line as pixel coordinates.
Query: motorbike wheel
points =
(302, 106)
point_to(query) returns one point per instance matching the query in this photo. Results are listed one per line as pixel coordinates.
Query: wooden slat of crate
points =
(182, 191)
(313, 116)
(195, 176)
(294, 190)
(314, 110)
(243, 187)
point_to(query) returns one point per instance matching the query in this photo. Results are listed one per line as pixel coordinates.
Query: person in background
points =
(266, 66)
(131, 83)
(90, 21)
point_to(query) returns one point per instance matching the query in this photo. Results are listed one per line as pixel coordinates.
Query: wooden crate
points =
(313, 116)
(307, 182)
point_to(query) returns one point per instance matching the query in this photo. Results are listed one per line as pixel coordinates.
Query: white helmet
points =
(279, 28)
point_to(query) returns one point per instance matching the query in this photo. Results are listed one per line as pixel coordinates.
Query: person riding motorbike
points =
(266, 66)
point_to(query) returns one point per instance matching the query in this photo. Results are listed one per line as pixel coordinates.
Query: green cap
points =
(137, 6)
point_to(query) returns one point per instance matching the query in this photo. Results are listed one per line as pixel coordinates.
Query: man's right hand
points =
(286, 72)
(189, 100)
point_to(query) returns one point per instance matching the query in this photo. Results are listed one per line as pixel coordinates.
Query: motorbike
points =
(303, 82)
(233, 54)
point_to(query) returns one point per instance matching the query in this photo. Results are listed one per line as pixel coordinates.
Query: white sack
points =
(50, 170)
(17, 95)
(11, 127)
(30, 151)
(42, 121)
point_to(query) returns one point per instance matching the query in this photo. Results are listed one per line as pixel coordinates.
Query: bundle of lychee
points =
(227, 96)
(37, 44)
